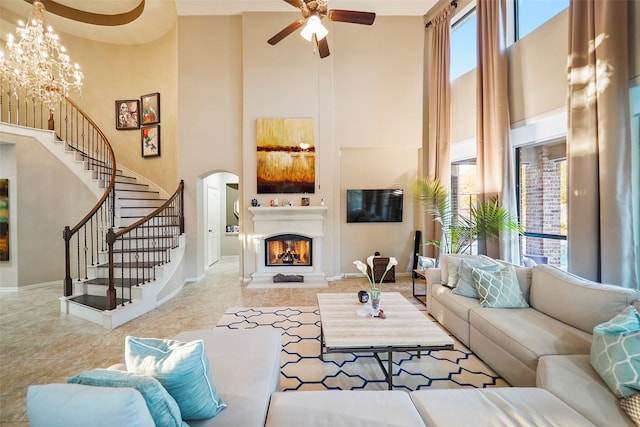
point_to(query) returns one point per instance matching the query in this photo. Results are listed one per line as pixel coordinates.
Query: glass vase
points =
(375, 301)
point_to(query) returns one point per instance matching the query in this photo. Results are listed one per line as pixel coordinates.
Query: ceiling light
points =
(314, 26)
(35, 65)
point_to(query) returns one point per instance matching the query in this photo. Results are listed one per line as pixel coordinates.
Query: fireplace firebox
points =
(288, 250)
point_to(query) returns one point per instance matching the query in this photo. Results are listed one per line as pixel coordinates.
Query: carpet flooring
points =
(302, 369)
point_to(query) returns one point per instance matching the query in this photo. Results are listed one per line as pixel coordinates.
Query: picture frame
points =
(150, 109)
(150, 141)
(127, 114)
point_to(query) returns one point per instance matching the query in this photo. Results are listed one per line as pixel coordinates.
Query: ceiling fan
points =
(313, 11)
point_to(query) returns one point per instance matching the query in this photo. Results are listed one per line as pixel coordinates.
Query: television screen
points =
(374, 205)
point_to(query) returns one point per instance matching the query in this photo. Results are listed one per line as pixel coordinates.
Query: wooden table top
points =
(404, 326)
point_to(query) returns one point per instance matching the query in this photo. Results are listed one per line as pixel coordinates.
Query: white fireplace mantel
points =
(303, 220)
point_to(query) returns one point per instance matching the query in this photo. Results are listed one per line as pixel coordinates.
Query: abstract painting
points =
(286, 160)
(4, 220)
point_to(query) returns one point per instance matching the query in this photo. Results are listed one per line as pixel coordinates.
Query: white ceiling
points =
(159, 16)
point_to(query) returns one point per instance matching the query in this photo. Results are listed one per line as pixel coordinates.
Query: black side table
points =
(420, 274)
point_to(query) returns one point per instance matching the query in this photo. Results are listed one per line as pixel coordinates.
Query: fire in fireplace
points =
(288, 250)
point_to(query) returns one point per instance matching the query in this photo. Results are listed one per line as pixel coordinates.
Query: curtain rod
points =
(453, 4)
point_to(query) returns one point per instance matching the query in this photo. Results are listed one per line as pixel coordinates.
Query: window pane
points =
(543, 202)
(533, 13)
(463, 46)
(463, 191)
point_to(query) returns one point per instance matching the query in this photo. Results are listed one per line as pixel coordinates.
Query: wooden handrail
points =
(94, 234)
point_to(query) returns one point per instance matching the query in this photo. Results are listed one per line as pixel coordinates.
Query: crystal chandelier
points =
(36, 65)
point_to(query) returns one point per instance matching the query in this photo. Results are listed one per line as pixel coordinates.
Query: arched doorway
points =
(221, 218)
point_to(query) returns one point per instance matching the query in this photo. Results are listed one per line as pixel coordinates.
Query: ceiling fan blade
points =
(285, 32)
(352, 16)
(295, 3)
(323, 47)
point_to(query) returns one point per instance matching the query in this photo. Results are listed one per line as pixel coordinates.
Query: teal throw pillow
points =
(499, 289)
(615, 352)
(163, 408)
(466, 287)
(182, 368)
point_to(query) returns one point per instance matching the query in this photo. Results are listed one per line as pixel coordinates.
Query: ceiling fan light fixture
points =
(314, 26)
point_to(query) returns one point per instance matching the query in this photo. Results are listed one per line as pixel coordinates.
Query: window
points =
(530, 14)
(542, 207)
(463, 190)
(463, 45)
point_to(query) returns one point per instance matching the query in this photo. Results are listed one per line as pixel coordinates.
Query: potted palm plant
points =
(485, 221)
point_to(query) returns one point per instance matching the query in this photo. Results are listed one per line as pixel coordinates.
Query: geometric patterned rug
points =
(302, 369)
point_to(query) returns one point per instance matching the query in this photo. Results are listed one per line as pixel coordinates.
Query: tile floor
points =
(40, 345)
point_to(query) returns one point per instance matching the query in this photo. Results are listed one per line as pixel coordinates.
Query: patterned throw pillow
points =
(465, 286)
(182, 368)
(615, 352)
(499, 289)
(631, 406)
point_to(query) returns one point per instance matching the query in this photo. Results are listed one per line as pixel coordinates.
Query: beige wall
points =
(115, 72)
(366, 94)
(38, 211)
(390, 167)
(210, 116)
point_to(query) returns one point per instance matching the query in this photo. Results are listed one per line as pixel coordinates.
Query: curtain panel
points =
(438, 149)
(602, 240)
(495, 158)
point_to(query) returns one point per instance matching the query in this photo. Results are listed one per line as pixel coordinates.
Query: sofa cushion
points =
(163, 408)
(528, 334)
(466, 286)
(346, 408)
(182, 368)
(76, 405)
(615, 352)
(517, 406)
(245, 365)
(458, 304)
(572, 379)
(574, 300)
(499, 289)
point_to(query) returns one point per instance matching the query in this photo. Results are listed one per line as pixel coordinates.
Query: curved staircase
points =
(124, 258)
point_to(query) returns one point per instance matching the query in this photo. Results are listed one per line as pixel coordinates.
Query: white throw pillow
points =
(76, 405)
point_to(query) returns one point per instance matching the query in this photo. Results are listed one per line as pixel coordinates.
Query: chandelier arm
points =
(36, 65)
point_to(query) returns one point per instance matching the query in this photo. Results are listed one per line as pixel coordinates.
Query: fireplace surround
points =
(296, 236)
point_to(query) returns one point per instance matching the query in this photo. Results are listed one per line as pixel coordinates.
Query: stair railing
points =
(94, 235)
(81, 135)
(143, 245)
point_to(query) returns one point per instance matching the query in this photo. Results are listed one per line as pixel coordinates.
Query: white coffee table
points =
(405, 328)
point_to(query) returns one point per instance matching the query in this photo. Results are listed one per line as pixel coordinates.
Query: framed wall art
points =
(150, 109)
(4, 219)
(150, 141)
(286, 158)
(128, 114)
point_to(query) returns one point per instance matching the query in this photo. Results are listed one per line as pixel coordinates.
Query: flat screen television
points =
(384, 205)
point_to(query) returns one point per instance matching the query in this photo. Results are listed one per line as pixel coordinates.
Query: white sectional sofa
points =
(245, 366)
(545, 345)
